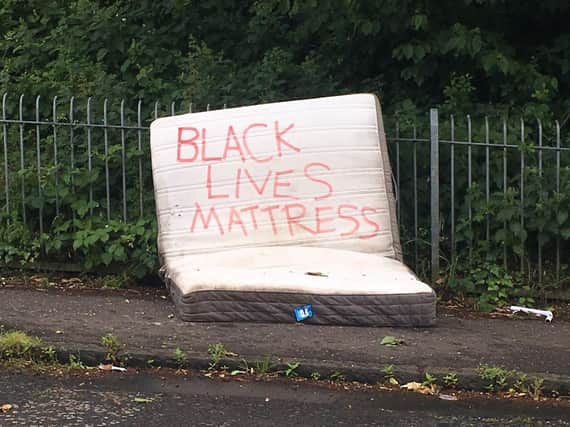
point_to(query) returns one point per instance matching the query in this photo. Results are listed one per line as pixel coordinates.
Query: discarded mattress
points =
(265, 208)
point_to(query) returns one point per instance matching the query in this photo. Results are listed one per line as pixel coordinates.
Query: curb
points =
(468, 379)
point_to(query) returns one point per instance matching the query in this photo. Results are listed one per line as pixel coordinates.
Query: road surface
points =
(165, 399)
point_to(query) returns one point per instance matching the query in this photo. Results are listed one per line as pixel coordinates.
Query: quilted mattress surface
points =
(265, 207)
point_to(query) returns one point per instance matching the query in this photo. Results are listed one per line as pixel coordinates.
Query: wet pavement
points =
(164, 399)
(147, 326)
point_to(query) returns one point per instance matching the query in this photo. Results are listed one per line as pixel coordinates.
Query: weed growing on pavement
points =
(337, 376)
(520, 385)
(217, 352)
(49, 354)
(495, 376)
(180, 357)
(263, 366)
(315, 376)
(389, 377)
(112, 345)
(536, 388)
(291, 369)
(75, 362)
(450, 379)
(19, 345)
(429, 380)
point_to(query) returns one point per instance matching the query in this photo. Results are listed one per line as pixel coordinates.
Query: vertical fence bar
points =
(452, 173)
(89, 164)
(208, 107)
(190, 108)
(505, 176)
(398, 201)
(156, 110)
(469, 207)
(522, 196)
(487, 183)
(415, 171)
(55, 162)
(22, 160)
(39, 166)
(124, 160)
(173, 108)
(106, 148)
(139, 132)
(558, 192)
(539, 124)
(6, 179)
(434, 183)
(72, 148)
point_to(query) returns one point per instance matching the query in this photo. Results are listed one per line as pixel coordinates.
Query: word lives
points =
(272, 203)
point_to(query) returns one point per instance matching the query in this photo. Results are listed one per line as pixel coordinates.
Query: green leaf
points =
(390, 341)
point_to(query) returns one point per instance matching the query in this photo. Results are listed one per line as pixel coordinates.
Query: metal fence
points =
(57, 153)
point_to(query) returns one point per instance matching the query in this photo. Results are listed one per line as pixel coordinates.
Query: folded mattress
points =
(265, 208)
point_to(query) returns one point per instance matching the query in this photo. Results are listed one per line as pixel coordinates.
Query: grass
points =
(217, 352)
(19, 345)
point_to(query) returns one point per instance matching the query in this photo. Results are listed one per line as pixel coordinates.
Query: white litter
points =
(547, 313)
(112, 368)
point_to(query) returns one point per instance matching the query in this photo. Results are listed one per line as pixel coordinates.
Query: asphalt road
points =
(166, 399)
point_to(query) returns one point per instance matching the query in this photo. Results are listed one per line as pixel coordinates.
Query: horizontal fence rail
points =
(462, 184)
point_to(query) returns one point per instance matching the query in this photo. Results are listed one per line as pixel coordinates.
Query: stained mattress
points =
(265, 285)
(268, 207)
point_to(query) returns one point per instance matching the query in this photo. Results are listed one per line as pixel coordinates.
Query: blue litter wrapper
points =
(303, 312)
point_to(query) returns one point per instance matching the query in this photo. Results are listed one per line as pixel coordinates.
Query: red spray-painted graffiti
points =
(286, 212)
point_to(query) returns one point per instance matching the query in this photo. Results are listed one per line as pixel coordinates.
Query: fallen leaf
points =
(390, 341)
(6, 407)
(419, 388)
(316, 273)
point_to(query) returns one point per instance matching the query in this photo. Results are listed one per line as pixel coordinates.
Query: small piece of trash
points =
(6, 407)
(157, 323)
(127, 301)
(143, 400)
(447, 397)
(303, 312)
(546, 313)
(267, 399)
(59, 332)
(316, 273)
(171, 316)
(112, 368)
(163, 296)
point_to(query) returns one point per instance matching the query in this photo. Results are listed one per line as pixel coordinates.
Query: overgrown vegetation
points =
(513, 382)
(113, 346)
(472, 59)
(21, 346)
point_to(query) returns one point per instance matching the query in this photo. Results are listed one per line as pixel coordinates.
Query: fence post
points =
(434, 192)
